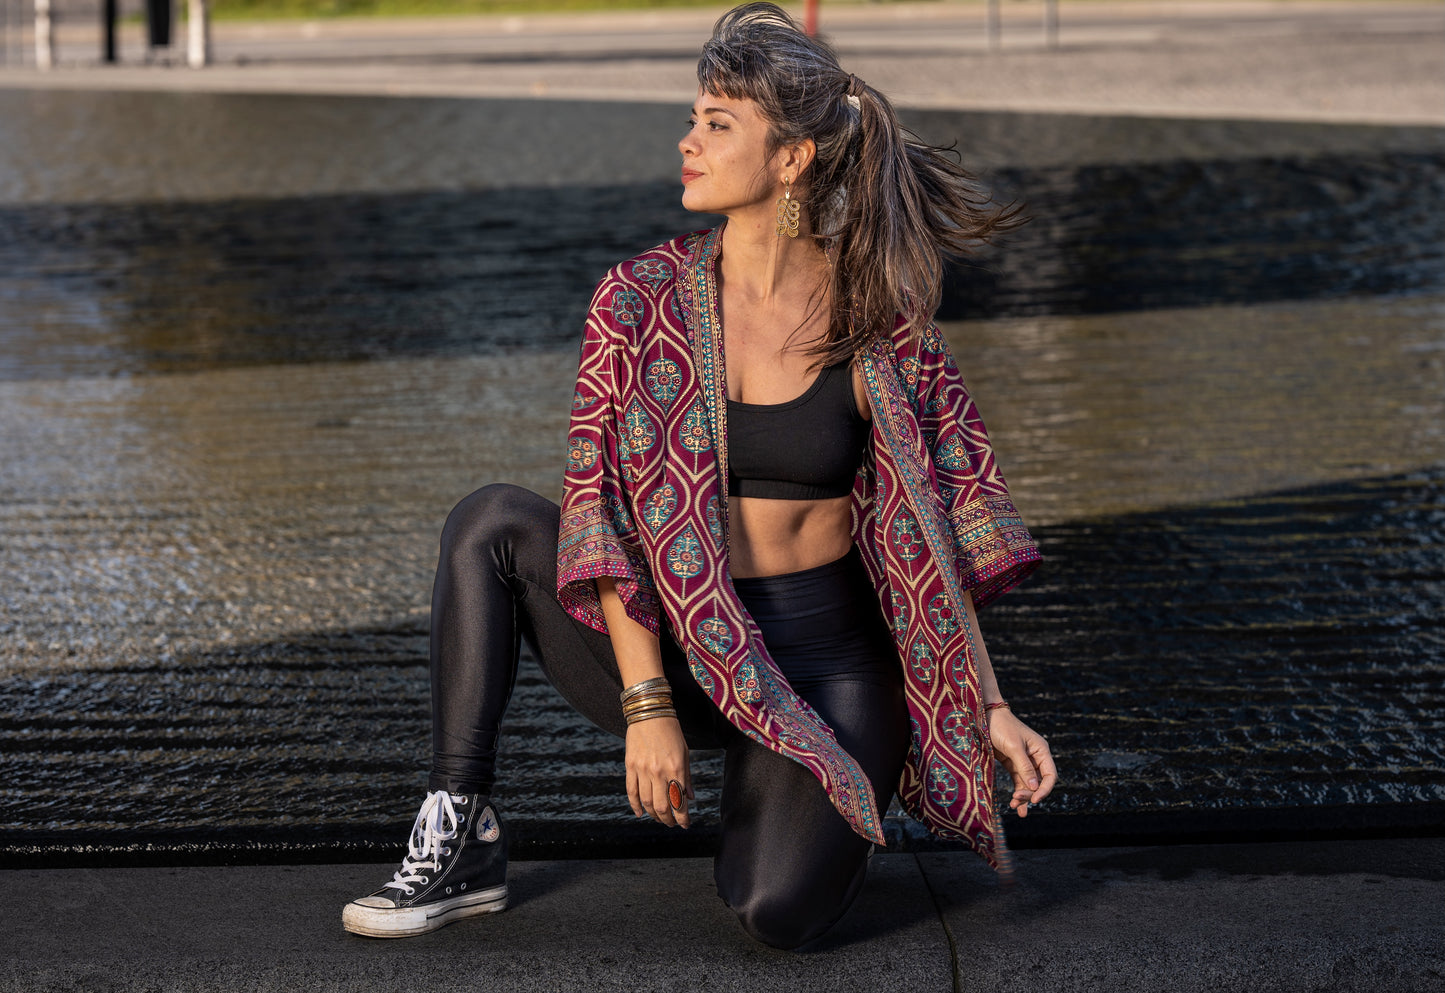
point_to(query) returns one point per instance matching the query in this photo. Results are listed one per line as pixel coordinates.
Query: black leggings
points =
(789, 865)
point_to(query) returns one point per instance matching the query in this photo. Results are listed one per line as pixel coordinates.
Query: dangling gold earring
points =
(788, 211)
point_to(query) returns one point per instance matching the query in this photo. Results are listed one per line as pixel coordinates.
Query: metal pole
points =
(44, 36)
(810, 17)
(995, 26)
(1051, 23)
(108, 16)
(198, 34)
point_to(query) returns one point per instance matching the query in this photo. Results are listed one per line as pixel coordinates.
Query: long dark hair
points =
(888, 208)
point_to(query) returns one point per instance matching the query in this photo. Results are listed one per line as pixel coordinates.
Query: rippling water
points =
(163, 287)
(1175, 659)
(232, 426)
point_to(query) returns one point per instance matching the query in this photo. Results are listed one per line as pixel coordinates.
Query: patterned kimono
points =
(645, 502)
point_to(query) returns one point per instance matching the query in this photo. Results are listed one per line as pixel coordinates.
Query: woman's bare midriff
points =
(773, 537)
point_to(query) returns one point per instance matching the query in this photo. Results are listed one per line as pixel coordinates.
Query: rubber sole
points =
(403, 922)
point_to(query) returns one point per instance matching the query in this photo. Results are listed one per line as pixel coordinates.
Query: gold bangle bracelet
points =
(650, 715)
(656, 683)
(647, 710)
(643, 703)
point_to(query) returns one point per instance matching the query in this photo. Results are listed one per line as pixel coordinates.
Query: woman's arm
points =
(656, 750)
(1022, 750)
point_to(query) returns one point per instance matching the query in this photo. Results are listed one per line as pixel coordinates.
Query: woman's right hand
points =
(657, 754)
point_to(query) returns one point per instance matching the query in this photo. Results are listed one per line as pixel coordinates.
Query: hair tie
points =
(855, 86)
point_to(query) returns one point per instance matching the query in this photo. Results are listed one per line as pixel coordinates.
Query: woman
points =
(779, 511)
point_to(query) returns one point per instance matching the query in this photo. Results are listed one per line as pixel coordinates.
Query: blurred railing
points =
(31, 30)
(1051, 24)
(16, 24)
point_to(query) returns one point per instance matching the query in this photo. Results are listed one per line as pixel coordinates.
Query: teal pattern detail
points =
(616, 511)
(684, 557)
(661, 502)
(745, 681)
(654, 272)
(641, 432)
(908, 373)
(700, 673)
(694, 435)
(715, 635)
(627, 307)
(942, 784)
(905, 535)
(900, 611)
(960, 669)
(953, 453)
(941, 613)
(714, 520)
(958, 732)
(581, 454)
(920, 658)
(664, 379)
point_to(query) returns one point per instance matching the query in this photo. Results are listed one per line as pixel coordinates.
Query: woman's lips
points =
(688, 175)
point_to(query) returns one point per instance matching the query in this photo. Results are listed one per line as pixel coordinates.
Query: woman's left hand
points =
(1026, 755)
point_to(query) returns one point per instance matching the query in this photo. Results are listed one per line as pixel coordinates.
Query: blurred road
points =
(1335, 61)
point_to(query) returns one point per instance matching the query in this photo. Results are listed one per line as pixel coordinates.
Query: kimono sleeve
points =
(993, 551)
(597, 536)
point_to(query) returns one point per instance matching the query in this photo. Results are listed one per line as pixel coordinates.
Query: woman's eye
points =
(710, 125)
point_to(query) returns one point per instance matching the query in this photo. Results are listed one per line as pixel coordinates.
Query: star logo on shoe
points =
(488, 830)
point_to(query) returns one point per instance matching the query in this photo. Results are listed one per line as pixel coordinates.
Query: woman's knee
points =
(786, 920)
(495, 514)
(788, 904)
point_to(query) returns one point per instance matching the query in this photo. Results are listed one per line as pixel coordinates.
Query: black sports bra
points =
(809, 448)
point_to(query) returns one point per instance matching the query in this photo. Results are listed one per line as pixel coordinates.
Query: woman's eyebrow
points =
(716, 110)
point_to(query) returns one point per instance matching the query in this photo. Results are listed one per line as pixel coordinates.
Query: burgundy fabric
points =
(644, 501)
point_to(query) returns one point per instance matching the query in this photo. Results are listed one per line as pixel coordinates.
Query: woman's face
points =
(726, 167)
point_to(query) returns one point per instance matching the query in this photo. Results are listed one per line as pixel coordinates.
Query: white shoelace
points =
(435, 823)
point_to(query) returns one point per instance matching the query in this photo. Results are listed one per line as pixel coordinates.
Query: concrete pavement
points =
(1342, 916)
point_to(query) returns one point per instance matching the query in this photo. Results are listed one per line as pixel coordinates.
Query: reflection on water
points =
(232, 424)
(1116, 413)
(106, 288)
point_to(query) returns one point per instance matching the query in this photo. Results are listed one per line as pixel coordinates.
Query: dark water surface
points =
(232, 420)
(1250, 667)
(96, 289)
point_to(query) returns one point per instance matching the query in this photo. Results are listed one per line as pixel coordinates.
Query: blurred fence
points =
(78, 32)
(17, 18)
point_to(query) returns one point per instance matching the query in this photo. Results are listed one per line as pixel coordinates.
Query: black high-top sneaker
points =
(455, 867)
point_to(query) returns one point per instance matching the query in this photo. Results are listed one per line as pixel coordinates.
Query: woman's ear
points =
(793, 160)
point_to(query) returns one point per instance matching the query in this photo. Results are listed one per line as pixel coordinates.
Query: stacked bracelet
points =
(1000, 705)
(646, 700)
(657, 684)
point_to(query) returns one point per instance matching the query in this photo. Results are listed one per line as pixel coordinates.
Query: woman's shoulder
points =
(910, 341)
(652, 272)
(642, 298)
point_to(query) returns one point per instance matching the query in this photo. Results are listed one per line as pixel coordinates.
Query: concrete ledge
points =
(1328, 916)
(646, 925)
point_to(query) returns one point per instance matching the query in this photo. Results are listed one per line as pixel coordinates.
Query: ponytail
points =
(888, 208)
